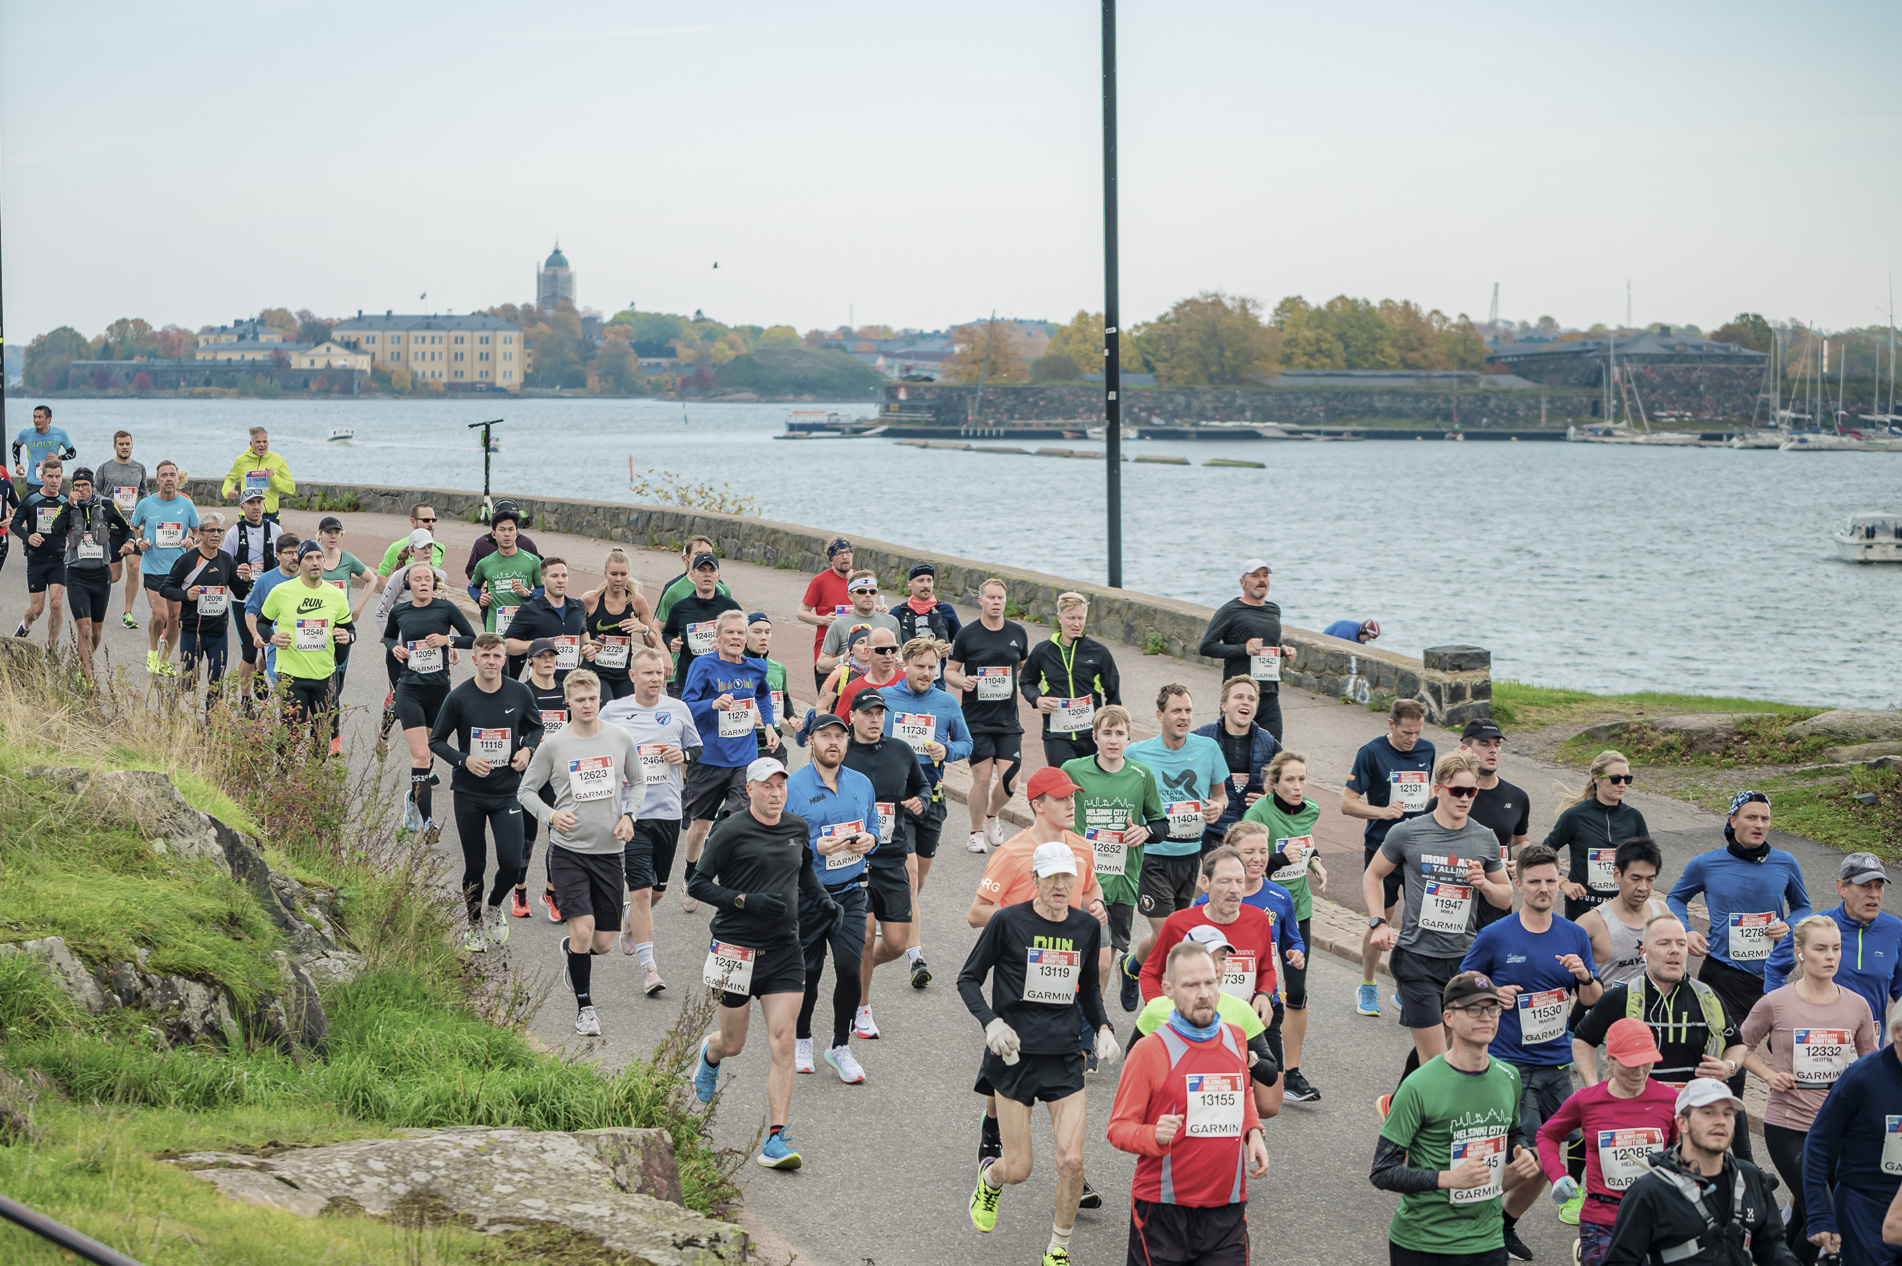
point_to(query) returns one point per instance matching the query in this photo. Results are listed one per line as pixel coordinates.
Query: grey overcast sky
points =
(923, 164)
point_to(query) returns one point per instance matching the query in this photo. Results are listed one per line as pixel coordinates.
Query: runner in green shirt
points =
(759, 640)
(1452, 1143)
(503, 579)
(1290, 813)
(1118, 808)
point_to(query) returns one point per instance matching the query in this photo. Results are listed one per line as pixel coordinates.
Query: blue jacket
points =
(708, 678)
(1731, 885)
(1347, 630)
(808, 796)
(952, 732)
(1262, 749)
(1844, 1150)
(1871, 963)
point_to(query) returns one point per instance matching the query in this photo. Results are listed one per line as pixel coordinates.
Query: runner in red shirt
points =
(1253, 936)
(1183, 1109)
(826, 596)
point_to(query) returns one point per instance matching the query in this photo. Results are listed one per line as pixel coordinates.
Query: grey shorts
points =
(1422, 982)
(1542, 1089)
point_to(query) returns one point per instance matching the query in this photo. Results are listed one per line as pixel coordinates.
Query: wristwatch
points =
(739, 902)
(1374, 922)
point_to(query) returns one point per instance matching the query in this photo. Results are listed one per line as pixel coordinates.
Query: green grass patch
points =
(1531, 707)
(1826, 809)
(1757, 740)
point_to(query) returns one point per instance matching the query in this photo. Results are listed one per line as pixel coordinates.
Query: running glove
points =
(1107, 1051)
(1564, 1189)
(767, 904)
(1002, 1039)
(835, 917)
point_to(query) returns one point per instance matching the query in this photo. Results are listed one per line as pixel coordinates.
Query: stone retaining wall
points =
(1454, 682)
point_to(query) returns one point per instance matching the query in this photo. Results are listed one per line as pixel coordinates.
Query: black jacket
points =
(193, 570)
(1092, 671)
(1226, 637)
(1654, 1216)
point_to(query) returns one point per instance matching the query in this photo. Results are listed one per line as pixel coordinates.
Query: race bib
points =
(738, 718)
(257, 481)
(887, 821)
(1299, 850)
(993, 684)
(1238, 782)
(1541, 1017)
(1267, 665)
(567, 652)
(168, 535)
(1185, 818)
(554, 722)
(1051, 975)
(125, 497)
(838, 611)
(422, 659)
(1073, 716)
(919, 730)
(89, 550)
(213, 600)
(490, 745)
(1239, 973)
(779, 704)
(845, 857)
(1599, 875)
(43, 516)
(1749, 937)
(591, 778)
(653, 762)
(1112, 855)
(1621, 1154)
(311, 635)
(1892, 1145)
(612, 653)
(504, 616)
(1410, 789)
(729, 968)
(1215, 1105)
(338, 585)
(1819, 1056)
(700, 637)
(1446, 908)
(1488, 1147)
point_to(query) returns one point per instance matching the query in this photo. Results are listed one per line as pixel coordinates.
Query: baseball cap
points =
(1630, 1042)
(862, 584)
(308, 547)
(758, 617)
(839, 544)
(256, 494)
(421, 539)
(1211, 936)
(330, 523)
(1469, 986)
(866, 700)
(541, 646)
(1700, 1091)
(1255, 564)
(1054, 858)
(826, 720)
(923, 569)
(704, 559)
(1371, 628)
(1482, 730)
(764, 768)
(1049, 781)
(1862, 868)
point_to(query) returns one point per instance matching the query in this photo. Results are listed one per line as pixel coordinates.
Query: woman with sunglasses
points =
(1592, 825)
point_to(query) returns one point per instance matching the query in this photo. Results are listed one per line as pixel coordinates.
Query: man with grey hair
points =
(203, 582)
(1872, 938)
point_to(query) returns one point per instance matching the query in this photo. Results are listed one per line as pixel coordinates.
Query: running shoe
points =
(151, 661)
(1367, 1000)
(388, 722)
(1394, 998)
(920, 974)
(802, 1055)
(128, 621)
(651, 983)
(984, 1200)
(518, 904)
(432, 831)
(977, 844)
(627, 934)
(586, 1023)
(166, 668)
(687, 904)
(706, 1077)
(1089, 1061)
(336, 746)
(474, 941)
(1130, 994)
(1516, 1247)
(1058, 1256)
(554, 911)
(994, 831)
(21, 630)
(777, 1153)
(1382, 1104)
(864, 1026)
(1298, 1089)
(842, 1062)
(1091, 1197)
(498, 925)
(412, 817)
(1569, 1211)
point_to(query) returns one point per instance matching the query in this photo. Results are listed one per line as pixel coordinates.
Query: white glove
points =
(1108, 1051)
(1002, 1039)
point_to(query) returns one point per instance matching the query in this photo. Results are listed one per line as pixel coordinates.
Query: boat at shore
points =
(1610, 433)
(1870, 536)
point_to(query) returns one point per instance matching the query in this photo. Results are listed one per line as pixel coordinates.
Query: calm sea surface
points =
(1596, 567)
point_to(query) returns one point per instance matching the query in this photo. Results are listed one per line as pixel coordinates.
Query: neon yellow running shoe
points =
(984, 1201)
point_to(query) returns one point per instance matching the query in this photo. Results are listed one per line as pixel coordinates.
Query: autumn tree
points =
(1082, 343)
(48, 355)
(992, 349)
(778, 336)
(175, 342)
(281, 319)
(1746, 329)
(875, 331)
(1209, 340)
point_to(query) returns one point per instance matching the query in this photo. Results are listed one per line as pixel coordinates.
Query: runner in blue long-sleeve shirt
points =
(929, 721)
(1872, 938)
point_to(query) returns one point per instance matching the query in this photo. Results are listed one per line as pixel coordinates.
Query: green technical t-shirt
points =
(388, 565)
(678, 590)
(776, 683)
(497, 571)
(1436, 1109)
(1111, 802)
(310, 616)
(1227, 1006)
(1281, 830)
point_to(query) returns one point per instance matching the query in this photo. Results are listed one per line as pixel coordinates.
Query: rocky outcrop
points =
(1851, 726)
(1698, 734)
(184, 1010)
(616, 1186)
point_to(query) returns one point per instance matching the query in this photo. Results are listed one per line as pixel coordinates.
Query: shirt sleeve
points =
(540, 769)
(1552, 1135)
(1360, 779)
(976, 967)
(1130, 1130)
(1609, 1007)
(1688, 885)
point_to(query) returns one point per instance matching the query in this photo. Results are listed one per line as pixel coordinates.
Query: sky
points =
(924, 165)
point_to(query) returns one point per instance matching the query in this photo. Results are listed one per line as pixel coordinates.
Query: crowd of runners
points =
(1595, 1050)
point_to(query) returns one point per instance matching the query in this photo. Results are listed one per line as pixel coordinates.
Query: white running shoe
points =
(977, 844)
(586, 1024)
(802, 1055)
(994, 831)
(475, 942)
(864, 1026)
(498, 925)
(840, 1058)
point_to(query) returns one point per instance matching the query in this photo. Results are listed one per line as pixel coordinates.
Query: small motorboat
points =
(340, 435)
(1870, 536)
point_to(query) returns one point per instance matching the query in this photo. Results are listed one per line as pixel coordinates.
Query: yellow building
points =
(472, 351)
(243, 330)
(328, 354)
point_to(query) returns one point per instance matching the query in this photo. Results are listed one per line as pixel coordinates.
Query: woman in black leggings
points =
(423, 634)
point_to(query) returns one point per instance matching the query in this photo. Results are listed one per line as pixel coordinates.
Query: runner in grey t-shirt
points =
(663, 723)
(587, 773)
(122, 481)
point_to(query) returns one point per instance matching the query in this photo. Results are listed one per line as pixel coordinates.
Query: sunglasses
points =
(1620, 779)
(425, 520)
(883, 650)
(1460, 793)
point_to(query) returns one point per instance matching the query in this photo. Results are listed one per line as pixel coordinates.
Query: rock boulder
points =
(1850, 726)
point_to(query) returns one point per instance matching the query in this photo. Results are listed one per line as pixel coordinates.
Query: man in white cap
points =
(755, 871)
(1699, 1205)
(1040, 957)
(1245, 634)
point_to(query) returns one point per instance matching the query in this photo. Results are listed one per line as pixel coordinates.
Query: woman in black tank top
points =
(617, 620)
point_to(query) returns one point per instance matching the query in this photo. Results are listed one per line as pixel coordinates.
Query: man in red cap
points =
(1624, 1119)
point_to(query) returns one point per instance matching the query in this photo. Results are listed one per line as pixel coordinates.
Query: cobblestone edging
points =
(1454, 682)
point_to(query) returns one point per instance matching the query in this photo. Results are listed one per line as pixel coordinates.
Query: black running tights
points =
(476, 819)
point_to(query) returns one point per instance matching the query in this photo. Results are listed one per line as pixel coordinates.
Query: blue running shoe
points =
(1395, 998)
(776, 1153)
(1367, 1000)
(1131, 994)
(413, 818)
(706, 1080)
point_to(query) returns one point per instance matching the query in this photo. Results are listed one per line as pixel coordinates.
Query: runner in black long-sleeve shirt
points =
(487, 730)
(421, 633)
(755, 869)
(900, 791)
(46, 561)
(203, 582)
(1041, 959)
(1245, 634)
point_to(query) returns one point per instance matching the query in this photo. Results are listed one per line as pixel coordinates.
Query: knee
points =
(1070, 1160)
(1015, 1169)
